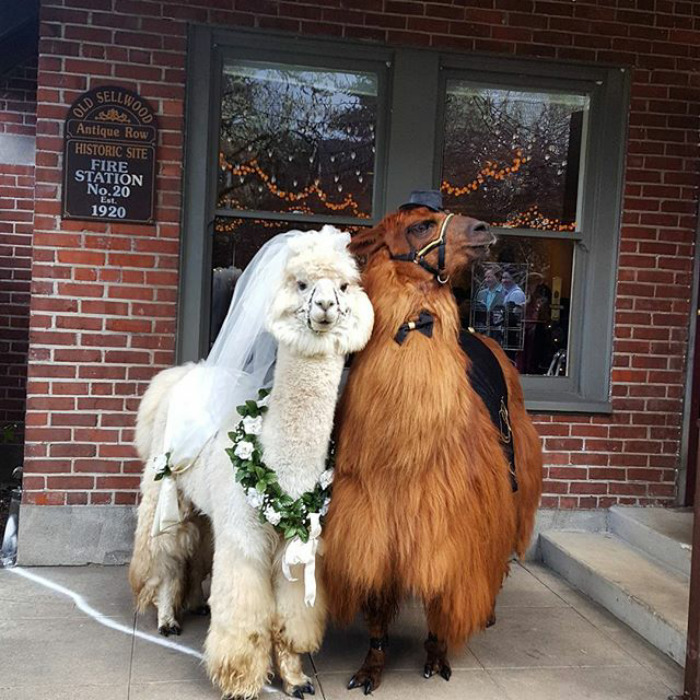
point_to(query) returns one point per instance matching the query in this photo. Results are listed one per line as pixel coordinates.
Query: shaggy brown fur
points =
(422, 501)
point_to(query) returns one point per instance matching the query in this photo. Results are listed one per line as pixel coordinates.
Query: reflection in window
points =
(512, 157)
(521, 298)
(235, 243)
(297, 139)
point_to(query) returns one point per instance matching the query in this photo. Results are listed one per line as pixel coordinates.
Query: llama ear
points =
(366, 243)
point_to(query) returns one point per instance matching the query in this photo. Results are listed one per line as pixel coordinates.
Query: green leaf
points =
(242, 410)
(260, 486)
(252, 407)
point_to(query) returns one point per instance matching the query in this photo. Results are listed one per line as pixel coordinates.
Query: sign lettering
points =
(110, 157)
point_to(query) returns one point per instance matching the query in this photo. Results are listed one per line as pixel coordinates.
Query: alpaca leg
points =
(169, 593)
(142, 576)
(237, 648)
(297, 629)
(156, 571)
(199, 567)
(435, 645)
(379, 612)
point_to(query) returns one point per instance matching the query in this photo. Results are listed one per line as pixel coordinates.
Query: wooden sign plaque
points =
(109, 158)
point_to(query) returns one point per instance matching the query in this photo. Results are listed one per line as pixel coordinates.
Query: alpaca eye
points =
(302, 285)
(344, 287)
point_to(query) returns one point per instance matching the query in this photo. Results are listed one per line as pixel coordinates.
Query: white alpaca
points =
(318, 315)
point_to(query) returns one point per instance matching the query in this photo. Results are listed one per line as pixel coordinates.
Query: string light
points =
(488, 172)
(533, 218)
(252, 167)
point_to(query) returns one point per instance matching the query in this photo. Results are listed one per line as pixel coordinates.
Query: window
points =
(300, 132)
(294, 141)
(513, 157)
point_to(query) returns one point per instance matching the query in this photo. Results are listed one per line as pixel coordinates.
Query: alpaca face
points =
(466, 239)
(320, 307)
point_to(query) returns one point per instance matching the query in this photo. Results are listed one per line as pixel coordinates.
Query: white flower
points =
(326, 478)
(244, 449)
(324, 507)
(252, 426)
(272, 516)
(254, 498)
(264, 401)
(160, 462)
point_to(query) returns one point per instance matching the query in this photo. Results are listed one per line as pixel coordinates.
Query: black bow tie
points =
(423, 325)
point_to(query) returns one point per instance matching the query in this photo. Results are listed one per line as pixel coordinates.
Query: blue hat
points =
(432, 199)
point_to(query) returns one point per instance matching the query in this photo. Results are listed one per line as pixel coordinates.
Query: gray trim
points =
(75, 535)
(197, 217)
(414, 123)
(290, 216)
(564, 403)
(17, 150)
(682, 479)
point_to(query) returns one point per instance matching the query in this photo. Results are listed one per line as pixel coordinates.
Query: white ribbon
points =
(168, 508)
(299, 552)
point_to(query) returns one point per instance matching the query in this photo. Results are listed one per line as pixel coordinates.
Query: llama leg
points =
(435, 645)
(379, 611)
(237, 648)
(297, 629)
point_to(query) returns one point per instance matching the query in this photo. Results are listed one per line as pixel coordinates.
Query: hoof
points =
(443, 668)
(366, 684)
(167, 630)
(491, 621)
(202, 610)
(298, 691)
(437, 662)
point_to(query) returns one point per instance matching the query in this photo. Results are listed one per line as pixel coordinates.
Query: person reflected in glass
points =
(513, 292)
(514, 301)
(490, 304)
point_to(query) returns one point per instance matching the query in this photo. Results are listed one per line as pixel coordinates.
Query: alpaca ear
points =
(366, 243)
(340, 239)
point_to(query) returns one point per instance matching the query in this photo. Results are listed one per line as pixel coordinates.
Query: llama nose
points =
(325, 304)
(481, 227)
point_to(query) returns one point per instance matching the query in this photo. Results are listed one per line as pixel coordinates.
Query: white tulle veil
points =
(240, 362)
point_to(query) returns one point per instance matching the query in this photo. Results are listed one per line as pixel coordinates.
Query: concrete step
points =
(652, 600)
(665, 534)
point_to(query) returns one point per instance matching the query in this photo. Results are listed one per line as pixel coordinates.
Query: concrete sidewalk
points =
(71, 634)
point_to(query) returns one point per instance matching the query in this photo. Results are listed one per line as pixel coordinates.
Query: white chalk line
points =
(85, 607)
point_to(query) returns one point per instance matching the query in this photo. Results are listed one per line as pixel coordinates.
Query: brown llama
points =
(423, 498)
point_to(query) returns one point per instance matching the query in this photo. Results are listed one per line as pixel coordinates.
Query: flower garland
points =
(287, 515)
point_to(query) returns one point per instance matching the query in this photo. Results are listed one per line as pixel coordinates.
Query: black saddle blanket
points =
(487, 379)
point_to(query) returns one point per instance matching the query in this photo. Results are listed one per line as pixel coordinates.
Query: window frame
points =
(586, 388)
(409, 156)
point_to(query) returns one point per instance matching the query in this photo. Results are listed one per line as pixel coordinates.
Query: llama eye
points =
(421, 227)
(344, 287)
(301, 285)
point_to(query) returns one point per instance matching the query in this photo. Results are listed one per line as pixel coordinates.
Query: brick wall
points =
(104, 296)
(17, 120)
